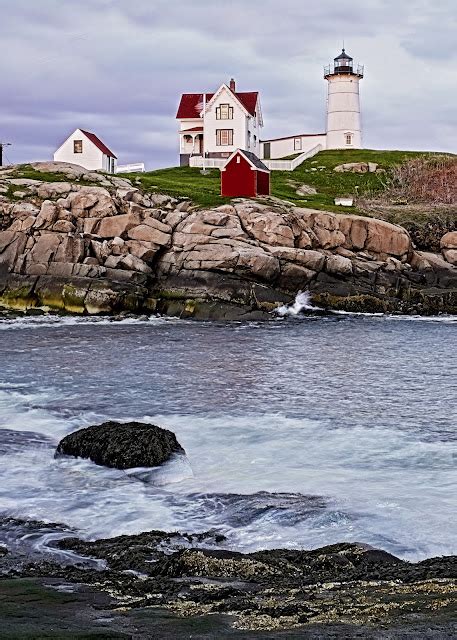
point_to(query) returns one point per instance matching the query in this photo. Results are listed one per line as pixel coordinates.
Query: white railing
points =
(136, 167)
(290, 165)
(210, 163)
(273, 165)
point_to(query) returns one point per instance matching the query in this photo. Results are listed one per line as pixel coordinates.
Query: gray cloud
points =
(118, 68)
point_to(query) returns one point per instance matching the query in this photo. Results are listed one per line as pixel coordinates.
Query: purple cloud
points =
(119, 68)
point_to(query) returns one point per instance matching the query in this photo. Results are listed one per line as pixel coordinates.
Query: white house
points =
(87, 150)
(216, 124)
(343, 121)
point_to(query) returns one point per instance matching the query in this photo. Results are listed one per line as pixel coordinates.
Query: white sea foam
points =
(50, 320)
(378, 486)
(356, 414)
(301, 303)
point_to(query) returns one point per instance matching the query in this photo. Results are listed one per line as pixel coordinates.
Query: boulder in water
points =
(121, 445)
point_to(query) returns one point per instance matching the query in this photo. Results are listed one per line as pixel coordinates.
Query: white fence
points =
(290, 165)
(210, 163)
(273, 165)
(136, 167)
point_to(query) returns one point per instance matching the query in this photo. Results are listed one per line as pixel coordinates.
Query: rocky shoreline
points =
(87, 243)
(347, 588)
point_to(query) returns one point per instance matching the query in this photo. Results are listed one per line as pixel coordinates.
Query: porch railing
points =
(210, 163)
(290, 165)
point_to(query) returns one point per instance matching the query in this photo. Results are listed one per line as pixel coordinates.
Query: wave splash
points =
(301, 303)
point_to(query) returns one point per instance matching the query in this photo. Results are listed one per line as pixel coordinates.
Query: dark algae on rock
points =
(121, 445)
(342, 591)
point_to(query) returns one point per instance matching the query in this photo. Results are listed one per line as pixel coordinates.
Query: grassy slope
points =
(184, 182)
(205, 189)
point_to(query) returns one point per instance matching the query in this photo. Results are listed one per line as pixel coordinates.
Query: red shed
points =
(244, 175)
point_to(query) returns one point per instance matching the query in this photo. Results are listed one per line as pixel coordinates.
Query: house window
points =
(297, 144)
(249, 139)
(224, 112)
(224, 137)
(348, 138)
(77, 146)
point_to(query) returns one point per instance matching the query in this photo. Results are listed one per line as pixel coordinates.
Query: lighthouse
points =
(344, 125)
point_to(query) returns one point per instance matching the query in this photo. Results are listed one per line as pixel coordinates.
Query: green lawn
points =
(317, 172)
(184, 182)
(204, 190)
(27, 171)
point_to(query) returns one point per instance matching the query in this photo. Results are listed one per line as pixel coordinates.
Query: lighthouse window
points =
(297, 144)
(349, 138)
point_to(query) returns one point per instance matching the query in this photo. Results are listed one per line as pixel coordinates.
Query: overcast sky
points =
(118, 67)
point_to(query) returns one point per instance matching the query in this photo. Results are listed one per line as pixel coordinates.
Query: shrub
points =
(431, 179)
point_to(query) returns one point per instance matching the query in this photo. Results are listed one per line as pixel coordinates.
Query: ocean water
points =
(300, 432)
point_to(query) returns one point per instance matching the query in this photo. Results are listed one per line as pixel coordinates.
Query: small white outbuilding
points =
(87, 150)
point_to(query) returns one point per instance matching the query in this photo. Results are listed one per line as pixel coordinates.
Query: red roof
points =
(191, 103)
(193, 129)
(98, 143)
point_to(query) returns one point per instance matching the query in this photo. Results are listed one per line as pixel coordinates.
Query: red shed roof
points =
(253, 160)
(98, 143)
(191, 104)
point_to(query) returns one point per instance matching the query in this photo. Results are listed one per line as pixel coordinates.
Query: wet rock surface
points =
(121, 445)
(339, 591)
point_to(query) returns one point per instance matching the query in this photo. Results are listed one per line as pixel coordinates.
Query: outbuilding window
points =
(224, 137)
(77, 146)
(224, 112)
(297, 144)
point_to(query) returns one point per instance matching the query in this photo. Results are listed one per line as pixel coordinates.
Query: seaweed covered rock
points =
(121, 445)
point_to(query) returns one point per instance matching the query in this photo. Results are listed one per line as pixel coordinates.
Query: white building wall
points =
(193, 146)
(286, 146)
(237, 123)
(109, 164)
(189, 123)
(91, 158)
(343, 112)
(253, 140)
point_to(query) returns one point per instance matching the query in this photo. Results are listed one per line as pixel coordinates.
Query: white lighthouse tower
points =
(344, 125)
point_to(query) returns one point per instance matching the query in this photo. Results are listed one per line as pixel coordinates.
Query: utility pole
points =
(3, 144)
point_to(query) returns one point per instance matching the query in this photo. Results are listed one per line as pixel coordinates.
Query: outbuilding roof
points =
(98, 143)
(253, 160)
(191, 104)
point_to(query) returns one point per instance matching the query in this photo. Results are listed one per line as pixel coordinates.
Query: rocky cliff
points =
(90, 243)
